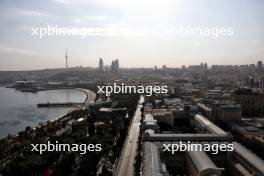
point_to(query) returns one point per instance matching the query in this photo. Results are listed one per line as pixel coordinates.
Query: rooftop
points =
(151, 164)
(212, 128)
(249, 156)
(203, 163)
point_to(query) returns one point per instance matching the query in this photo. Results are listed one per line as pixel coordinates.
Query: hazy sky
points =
(137, 32)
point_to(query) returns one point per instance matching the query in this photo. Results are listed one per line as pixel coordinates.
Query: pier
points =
(66, 104)
(90, 98)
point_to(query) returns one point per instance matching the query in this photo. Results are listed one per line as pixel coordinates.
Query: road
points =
(90, 96)
(126, 161)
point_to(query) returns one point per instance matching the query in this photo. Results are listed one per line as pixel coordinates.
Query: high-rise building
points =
(101, 65)
(202, 65)
(66, 57)
(115, 66)
(205, 66)
(260, 64)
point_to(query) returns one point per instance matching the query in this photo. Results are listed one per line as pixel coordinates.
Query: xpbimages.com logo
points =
(58, 147)
(173, 31)
(213, 148)
(128, 89)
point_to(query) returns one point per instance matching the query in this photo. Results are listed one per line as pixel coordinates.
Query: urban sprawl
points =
(213, 105)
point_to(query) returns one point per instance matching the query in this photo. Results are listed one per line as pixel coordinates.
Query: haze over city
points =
(145, 40)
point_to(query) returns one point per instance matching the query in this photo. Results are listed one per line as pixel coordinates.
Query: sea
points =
(19, 109)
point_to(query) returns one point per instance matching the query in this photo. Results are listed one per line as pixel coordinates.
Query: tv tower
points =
(66, 57)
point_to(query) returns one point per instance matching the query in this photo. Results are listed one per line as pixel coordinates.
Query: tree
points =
(91, 130)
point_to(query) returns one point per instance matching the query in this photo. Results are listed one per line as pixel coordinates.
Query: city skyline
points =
(140, 34)
(109, 66)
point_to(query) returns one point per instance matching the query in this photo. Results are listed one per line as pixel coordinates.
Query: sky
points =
(140, 33)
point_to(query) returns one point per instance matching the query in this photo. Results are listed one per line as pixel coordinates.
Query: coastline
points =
(56, 118)
(43, 125)
(76, 108)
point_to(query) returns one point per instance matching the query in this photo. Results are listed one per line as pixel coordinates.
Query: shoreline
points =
(85, 91)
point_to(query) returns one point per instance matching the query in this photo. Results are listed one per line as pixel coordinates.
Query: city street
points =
(129, 151)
